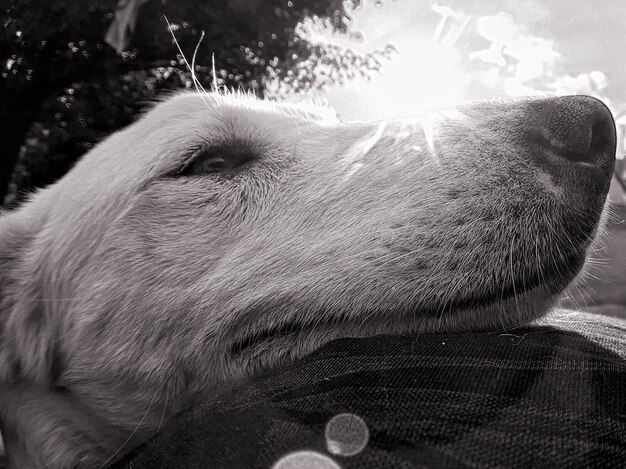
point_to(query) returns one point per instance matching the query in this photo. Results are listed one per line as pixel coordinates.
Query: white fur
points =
(123, 288)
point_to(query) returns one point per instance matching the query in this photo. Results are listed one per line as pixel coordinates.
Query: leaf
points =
(123, 24)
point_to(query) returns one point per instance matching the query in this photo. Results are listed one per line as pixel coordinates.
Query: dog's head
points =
(220, 234)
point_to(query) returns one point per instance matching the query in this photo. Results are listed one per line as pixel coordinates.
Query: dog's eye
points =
(215, 160)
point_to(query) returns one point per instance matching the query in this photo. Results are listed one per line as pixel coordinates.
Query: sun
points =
(426, 78)
(427, 75)
(423, 75)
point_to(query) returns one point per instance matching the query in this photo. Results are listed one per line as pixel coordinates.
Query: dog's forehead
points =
(230, 105)
(172, 131)
(180, 126)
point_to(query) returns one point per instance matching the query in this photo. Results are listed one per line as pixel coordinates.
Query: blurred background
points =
(74, 71)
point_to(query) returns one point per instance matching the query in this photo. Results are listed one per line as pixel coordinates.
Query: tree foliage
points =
(63, 89)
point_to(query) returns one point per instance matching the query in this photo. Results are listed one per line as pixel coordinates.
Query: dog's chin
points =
(275, 334)
(268, 348)
(294, 339)
(503, 309)
(529, 301)
(280, 343)
(504, 306)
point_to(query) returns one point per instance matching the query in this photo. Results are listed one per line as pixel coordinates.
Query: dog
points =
(221, 235)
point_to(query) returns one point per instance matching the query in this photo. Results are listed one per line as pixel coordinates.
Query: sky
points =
(450, 52)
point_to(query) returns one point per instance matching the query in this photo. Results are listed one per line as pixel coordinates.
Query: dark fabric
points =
(548, 395)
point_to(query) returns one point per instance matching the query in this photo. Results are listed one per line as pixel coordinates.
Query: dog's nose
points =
(577, 133)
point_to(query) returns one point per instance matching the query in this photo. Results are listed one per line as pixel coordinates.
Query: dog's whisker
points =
(105, 463)
(201, 91)
(163, 413)
(214, 87)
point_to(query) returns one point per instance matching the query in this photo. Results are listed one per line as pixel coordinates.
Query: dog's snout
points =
(576, 133)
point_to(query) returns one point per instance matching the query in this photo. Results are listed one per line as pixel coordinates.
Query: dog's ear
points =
(16, 236)
(9, 245)
(9, 252)
(40, 426)
(13, 237)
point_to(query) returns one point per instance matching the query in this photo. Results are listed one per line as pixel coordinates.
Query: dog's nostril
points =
(577, 129)
(575, 123)
(589, 143)
(601, 137)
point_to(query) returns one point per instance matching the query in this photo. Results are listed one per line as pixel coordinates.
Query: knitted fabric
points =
(548, 395)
